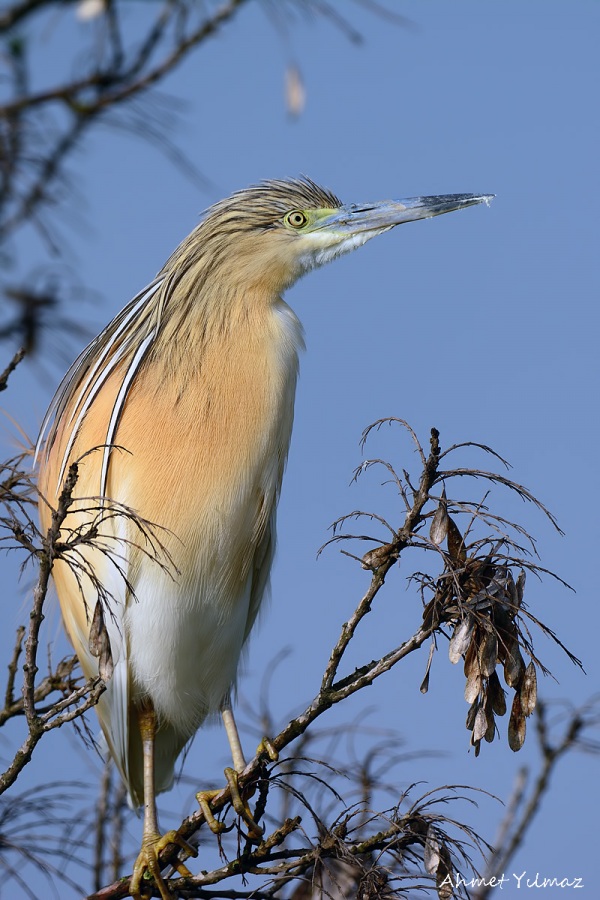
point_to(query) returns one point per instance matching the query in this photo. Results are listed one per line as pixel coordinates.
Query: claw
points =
(266, 748)
(240, 805)
(147, 864)
(204, 798)
(255, 832)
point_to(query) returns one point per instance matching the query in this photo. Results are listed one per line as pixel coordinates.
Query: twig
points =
(11, 368)
(9, 696)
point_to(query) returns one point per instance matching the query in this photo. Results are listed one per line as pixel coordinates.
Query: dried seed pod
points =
(431, 851)
(438, 531)
(488, 653)
(496, 586)
(496, 694)
(431, 615)
(425, 683)
(480, 725)
(471, 660)
(445, 875)
(520, 587)
(471, 715)
(459, 641)
(99, 643)
(513, 665)
(473, 686)
(456, 544)
(528, 690)
(511, 589)
(516, 726)
(505, 629)
(490, 732)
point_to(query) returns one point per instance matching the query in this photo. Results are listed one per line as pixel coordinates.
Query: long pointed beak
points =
(355, 218)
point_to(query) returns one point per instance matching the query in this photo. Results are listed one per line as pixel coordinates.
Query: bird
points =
(179, 414)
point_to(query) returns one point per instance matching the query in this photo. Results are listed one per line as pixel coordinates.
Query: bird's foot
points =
(147, 864)
(240, 805)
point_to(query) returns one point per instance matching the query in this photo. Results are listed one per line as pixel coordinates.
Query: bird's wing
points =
(129, 334)
(100, 379)
(78, 599)
(261, 570)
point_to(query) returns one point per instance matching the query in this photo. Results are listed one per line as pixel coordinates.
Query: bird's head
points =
(276, 231)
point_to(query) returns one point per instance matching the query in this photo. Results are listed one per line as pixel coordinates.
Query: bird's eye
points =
(296, 219)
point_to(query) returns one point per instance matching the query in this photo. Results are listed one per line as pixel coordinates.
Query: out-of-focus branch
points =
(13, 14)
(11, 368)
(79, 102)
(525, 804)
(61, 680)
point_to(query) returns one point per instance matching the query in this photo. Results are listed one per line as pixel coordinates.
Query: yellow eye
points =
(296, 219)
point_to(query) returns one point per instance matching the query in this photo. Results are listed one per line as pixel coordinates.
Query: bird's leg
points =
(255, 832)
(233, 736)
(152, 841)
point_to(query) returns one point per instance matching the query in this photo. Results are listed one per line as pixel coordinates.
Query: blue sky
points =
(483, 324)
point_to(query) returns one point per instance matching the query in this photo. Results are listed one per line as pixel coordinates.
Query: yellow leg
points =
(152, 841)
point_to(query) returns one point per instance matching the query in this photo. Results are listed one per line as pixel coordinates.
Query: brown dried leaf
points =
(439, 524)
(459, 641)
(528, 690)
(516, 726)
(456, 544)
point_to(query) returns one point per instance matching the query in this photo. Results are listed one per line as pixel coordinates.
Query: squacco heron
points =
(195, 381)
